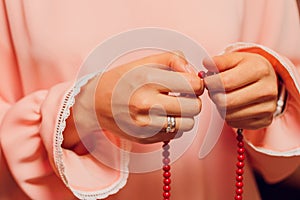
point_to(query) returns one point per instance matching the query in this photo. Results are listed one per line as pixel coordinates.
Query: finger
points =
(251, 124)
(167, 81)
(228, 60)
(177, 106)
(173, 60)
(258, 111)
(234, 78)
(153, 128)
(250, 94)
(160, 123)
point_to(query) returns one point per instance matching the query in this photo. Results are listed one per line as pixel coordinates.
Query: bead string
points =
(240, 162)
(241, 155)
(166, 171)
(240, 166)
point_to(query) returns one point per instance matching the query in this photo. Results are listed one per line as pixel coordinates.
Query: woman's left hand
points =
(245, 89)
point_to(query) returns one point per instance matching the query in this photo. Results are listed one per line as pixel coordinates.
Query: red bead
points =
(166, 161)
(240, 144)
(166, 194)
(201, 74)
(167, 174)
(238, 197)
(241, 150)
(239, 191)
(239, 137)
(240, 164)
(239, 172)
(167, 181)
(241, 157)
(167, 188)
(166, 199)
(167, 168)
(239, 178)
(239, 184)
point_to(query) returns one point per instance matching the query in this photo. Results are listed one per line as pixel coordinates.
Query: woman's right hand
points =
(132, 101)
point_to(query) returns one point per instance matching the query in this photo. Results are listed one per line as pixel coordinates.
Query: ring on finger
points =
(171, 124)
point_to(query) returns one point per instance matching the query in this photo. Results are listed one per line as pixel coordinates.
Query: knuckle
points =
(138, 104)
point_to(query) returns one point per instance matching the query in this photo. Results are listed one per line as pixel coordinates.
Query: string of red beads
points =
(166, 171)
(240, 166)
(240, 158)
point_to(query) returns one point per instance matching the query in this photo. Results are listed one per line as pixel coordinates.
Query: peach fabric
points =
(43, 44)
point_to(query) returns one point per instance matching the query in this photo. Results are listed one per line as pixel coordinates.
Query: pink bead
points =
(239, 178)
(239, 184)
(167, 174)
(240, 164)
(241, 150)
(166, 194)
(239, 191)
(241, 157)
(238, 197)
(167, 181)
(239, 172)
(166, 161)
(167, 188)
(166, 154)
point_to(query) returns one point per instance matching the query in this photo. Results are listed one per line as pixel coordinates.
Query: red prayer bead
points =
(167, 188)
(166, 168)
(241, 157)
(167, 174)
(239, 184)
(241, 150)
(166, 194)
(201, 74)
(240, 165)
(167, 181)
(238, 197)
(240, 144)
(239, 137)
(239, 171)
(239, 178)
(239, 191)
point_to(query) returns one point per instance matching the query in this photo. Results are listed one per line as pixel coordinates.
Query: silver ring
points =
(171, 124)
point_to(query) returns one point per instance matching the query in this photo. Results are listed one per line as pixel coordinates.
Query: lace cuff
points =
(69, 164)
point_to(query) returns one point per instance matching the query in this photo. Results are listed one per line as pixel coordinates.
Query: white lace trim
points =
(69, 101)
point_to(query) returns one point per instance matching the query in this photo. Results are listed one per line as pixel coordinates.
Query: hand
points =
(132, 100)
(245, 89)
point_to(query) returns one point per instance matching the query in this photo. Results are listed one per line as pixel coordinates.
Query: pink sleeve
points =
(31, 134)
(275, 150)
(20, 118)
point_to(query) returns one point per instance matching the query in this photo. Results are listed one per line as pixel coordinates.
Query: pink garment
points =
(42, 46)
